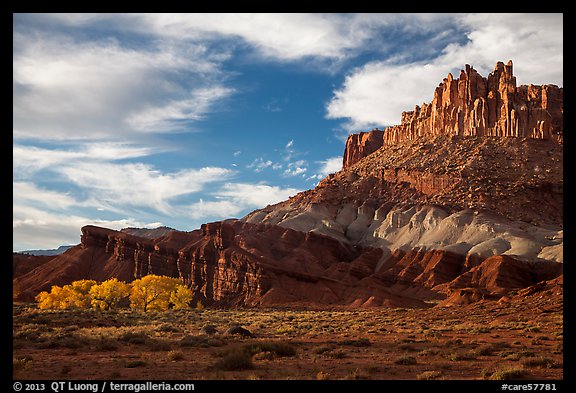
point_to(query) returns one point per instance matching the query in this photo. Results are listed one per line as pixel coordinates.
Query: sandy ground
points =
(480, 341)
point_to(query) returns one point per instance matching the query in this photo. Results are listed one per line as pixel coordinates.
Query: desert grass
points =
(287, 343)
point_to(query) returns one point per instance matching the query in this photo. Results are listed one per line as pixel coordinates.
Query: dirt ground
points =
(520, 339)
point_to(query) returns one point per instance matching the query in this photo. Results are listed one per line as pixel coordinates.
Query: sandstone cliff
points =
(473, 105)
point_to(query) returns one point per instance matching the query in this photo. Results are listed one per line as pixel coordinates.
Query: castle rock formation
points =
(473, 105)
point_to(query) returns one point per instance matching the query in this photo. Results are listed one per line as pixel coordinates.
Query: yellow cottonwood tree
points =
(154, 292)
(75, 295)
(181, 297)
(108, 294)
(79, 296)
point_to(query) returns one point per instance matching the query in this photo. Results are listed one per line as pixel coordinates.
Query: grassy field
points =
(485, 342)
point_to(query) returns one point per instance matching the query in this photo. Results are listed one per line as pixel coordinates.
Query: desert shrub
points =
(509, 373)
(134, 337)
(428, 375)
(21, 363)
(240, 357)
(135, 363)
(358, 374)
(106, 345)
(336, 354)
(279, 348)
(406, 347)
(538, 362)
(159, 346)
(322, 376)
(480, 329)
(361, 342)
(428, 352)
(175, 355)
(65, 341)
(454, 341)
(201, 342)
(322, 349)
(405, 360)
(235, 359)
(485, 350)
(194, 341)
(167, 328)
(458, 356)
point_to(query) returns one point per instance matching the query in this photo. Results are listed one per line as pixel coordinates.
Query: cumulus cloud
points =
(377, 93)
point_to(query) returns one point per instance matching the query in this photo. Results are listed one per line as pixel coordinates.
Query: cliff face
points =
(473, 105)
(360, 145)
(235, 263)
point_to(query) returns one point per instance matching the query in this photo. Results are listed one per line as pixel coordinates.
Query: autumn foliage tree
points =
(75, 295)
(108, 294)
(151, 292)
(159, 293)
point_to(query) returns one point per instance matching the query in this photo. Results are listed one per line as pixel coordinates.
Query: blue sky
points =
(179, 119)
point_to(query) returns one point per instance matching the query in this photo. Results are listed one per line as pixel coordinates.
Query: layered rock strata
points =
(473, 105)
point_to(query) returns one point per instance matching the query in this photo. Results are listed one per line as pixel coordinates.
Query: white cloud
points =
(29, 159)
(139, 185)
(202, 210)
(377, 93)
(290, 144)
(171, 116)
(26, 192)
(330, 165)
(295, 168)
(34, 228)
(233, 199)
(69, 89)
(279, 36)
(258, 165)
(237, 153)
(255, 195)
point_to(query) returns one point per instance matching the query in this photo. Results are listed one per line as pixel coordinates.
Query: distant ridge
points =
(51, 252)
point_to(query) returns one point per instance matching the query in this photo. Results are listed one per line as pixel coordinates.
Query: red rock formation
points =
(234, 263)
(472, 105)
(361, 145)
(23, 263)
